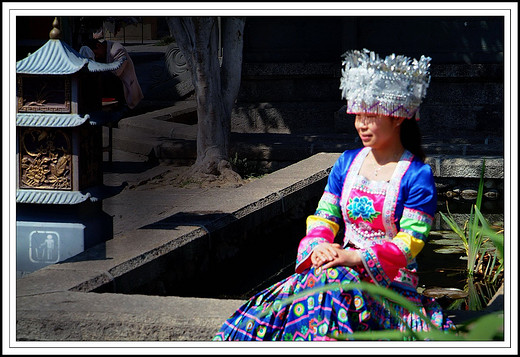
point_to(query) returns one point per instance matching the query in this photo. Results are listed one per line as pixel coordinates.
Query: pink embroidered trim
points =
(407, 277)
(383, 262)
(373, 267)
(315, 236)
(352, 172)
(393, 193)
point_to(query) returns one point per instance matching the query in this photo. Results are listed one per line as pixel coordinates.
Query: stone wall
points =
(292, 67)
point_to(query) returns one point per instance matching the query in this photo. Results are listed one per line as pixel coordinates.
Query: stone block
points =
(466, 167)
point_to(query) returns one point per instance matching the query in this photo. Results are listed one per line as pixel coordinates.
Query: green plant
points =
(470, 235)
(497, 239)
(484, 249)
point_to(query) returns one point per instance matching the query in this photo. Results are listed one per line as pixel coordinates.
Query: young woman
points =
(384, 195)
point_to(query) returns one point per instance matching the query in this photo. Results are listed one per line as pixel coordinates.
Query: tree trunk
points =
(216, 86)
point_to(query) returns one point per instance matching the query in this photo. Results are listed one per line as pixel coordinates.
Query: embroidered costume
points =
(387, 223)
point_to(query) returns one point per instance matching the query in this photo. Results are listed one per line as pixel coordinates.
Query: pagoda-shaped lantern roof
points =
(56, 57)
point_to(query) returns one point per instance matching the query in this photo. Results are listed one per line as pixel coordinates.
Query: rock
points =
(469, 194)
(491, 194)
(451, 293)
(450, 250)
(489, 184)
(451, 194)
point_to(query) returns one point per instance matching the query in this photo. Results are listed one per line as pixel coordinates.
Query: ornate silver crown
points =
(394, 86)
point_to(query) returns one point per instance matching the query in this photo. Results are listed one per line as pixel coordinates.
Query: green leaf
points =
(450, 250)
(454, 227)
(395, 335)
(487, 327)
(374, 290)
(391, 335)
(496, 238)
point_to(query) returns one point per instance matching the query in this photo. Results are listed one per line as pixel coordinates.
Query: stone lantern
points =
(59, 155)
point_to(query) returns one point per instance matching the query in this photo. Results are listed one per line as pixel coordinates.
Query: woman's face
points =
(377, 131)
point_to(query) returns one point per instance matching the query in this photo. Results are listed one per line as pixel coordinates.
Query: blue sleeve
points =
(420, 193)
(339, 172)
(417, 202)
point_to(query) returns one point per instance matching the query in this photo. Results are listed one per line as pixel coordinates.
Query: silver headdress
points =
(394, 86)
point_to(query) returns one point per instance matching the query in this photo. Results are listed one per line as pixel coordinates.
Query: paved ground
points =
(144, 192)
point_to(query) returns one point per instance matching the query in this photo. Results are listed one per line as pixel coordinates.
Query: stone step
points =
(132, 142)
(170, 135)
(158, 128)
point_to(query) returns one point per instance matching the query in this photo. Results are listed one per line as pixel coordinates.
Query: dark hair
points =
(92, 43)
(411, 138)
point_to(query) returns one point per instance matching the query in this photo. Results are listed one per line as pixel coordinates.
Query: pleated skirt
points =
(296, 309)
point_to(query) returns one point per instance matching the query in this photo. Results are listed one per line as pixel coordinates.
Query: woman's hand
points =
(329, 255)
(345, 257)
(324, 253)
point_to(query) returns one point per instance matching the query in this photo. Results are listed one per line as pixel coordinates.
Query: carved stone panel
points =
(45, 158)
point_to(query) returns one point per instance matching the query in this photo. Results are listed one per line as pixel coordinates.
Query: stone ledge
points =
(74, 316)
(466, 166)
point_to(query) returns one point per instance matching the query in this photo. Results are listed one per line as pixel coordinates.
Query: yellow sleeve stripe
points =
(410, 245)
(315, 221)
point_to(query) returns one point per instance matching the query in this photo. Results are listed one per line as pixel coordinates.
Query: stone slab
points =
(74, 316)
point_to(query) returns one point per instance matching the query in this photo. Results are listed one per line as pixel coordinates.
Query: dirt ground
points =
(179, 176)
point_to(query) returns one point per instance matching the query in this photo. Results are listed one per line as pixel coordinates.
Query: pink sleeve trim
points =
(383, 262)
(320, 234)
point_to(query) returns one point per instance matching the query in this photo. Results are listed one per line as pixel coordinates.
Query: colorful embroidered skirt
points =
(322, 315)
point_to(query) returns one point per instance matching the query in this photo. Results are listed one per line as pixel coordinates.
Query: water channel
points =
(269, 253)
